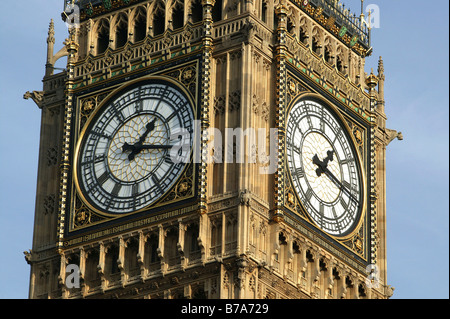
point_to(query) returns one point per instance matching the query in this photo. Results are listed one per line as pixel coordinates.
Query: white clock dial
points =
(125, 158)
(324, 167)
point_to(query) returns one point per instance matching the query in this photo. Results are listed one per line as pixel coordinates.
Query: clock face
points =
(324, 167)
(134, 148)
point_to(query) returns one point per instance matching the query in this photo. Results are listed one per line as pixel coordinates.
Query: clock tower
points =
(211, 149)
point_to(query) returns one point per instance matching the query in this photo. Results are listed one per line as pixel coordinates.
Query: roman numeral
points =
(338, 134)
(168, 159)
(296, 149)
(171, 116)
(116, 189)
(139, 106)
(100, 134)
(162, 96)
(298, 172)
(347, 185)
(309, 194)
(96, 160)
(103, 178)
(99, 158)
(310, 122)
(322, 126)
(338, 225)
(157, 183)
(118, 113)
(135, 190)
(344, 203)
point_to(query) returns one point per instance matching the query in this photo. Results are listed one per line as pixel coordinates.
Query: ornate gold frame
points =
(162, 200)
(335, 110)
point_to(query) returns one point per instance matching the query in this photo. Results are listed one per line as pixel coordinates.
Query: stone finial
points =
(371, 80)
(51, 32)
(380, 69)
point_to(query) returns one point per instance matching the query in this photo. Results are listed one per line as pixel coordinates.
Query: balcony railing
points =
(342, 17)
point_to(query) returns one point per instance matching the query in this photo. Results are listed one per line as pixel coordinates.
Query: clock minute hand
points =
(323, 169)
(154, 147)
(339, 184)
(136, 149)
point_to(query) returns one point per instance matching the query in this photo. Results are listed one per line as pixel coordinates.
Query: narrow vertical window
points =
(197, 11)
(103, 37)
(159, 23)
(178, 16)
(140, 26)
(217, 11)
(264, 12)
(121, 35)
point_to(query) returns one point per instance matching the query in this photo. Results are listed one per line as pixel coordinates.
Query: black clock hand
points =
(322, 165)
(153, 147)
(135, 148)
(149, 127)
(323, 168)
(340, 185)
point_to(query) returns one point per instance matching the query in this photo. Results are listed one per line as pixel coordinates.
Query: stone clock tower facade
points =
(211, 149)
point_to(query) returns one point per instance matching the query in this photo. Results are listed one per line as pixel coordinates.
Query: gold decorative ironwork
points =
(187, 75)
(88, 105)
(184, 187)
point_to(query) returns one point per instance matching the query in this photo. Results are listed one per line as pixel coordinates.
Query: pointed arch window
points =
(140, 25)
(316, 47)
(196, 11)
(121, 31)
(178, 15)
(303, 35)
(111, 258)
(328, 55)
(217, 11)
(103, 36)
(290, 26)
(339, 64)
(159, 22)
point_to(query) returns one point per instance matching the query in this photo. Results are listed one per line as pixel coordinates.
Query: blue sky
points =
(413, 41)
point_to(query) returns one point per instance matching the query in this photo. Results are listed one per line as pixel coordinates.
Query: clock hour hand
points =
(322, 165)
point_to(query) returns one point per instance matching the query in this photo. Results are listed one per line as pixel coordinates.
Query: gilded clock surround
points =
(85, 215)
(356, 240)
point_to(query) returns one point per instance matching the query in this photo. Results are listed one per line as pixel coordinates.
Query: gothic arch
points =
(102, 31)
(158, 17)
(195, 11)
(341, 64)
(303, 31)
(328, 51)
(119, 29)
(176, 14)
(138, 24)
(317, 40)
